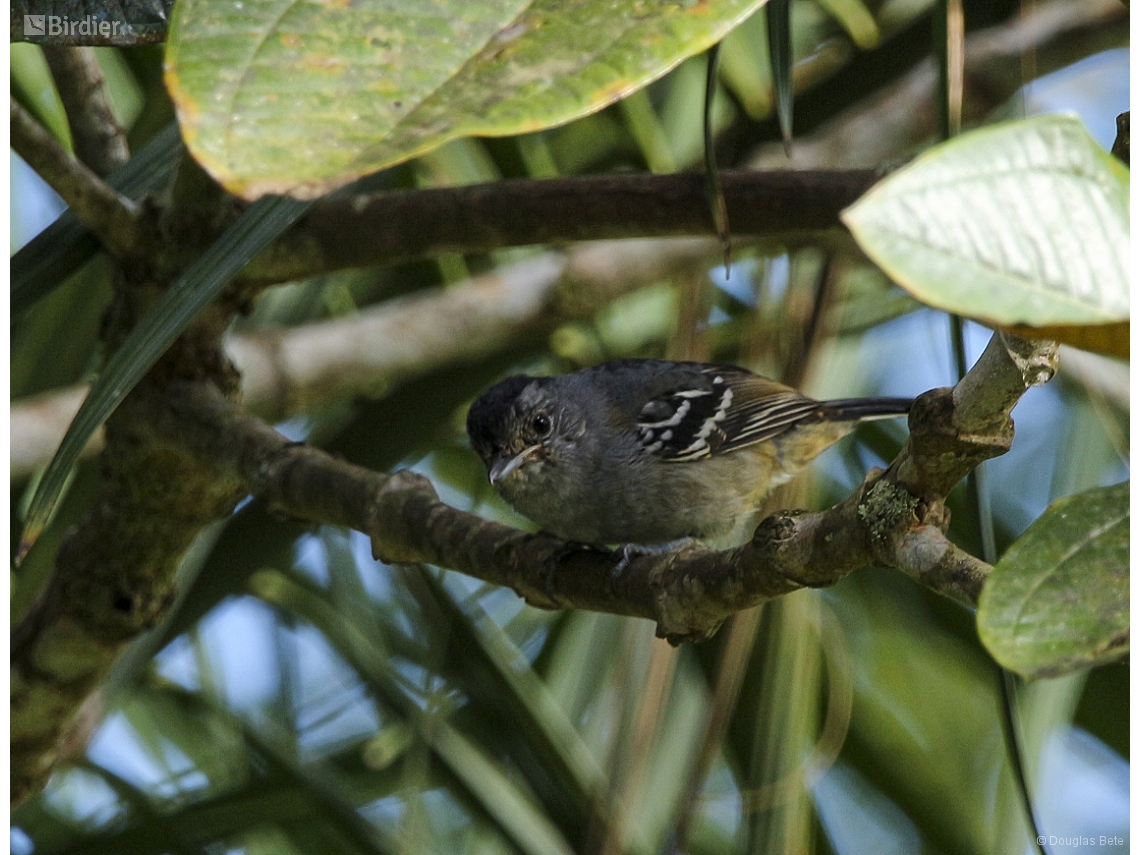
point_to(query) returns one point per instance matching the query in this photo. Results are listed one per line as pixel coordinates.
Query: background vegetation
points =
(297, 695)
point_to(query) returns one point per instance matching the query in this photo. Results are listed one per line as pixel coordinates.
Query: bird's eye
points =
(540, 424)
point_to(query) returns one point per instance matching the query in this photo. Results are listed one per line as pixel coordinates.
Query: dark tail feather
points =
(864, 409)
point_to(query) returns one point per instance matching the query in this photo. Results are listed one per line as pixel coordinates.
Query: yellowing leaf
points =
(278, 96)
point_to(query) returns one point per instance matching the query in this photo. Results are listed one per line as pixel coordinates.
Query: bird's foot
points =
(632, 550)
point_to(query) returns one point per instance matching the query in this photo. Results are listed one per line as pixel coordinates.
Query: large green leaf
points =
(1020, 223)
(278, 96)
(1058, 599)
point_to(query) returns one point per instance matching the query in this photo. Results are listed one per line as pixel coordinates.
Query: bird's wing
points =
(717, 409)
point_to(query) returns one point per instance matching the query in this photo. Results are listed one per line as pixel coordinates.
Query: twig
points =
(96, 135)
(113, 218)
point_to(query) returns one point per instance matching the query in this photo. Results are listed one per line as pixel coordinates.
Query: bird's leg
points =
(630, 550)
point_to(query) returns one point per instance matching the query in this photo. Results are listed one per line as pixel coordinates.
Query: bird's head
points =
(521, 431)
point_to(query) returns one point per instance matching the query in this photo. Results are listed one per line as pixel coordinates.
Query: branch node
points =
(684, 605)
(1035, 359)
(776, 529)
(943, 449)
(886, 509)
(390, 513)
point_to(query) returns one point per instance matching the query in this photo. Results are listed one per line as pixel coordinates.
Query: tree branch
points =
(1053, 32)
(895, 519)
(388, 227)
(392, 226)
(96, 135)
(113, 218)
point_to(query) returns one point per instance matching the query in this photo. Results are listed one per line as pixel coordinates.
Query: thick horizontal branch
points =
(392, 226)
(113, 218)
(407, 522)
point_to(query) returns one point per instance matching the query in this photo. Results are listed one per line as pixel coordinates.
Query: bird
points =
(652, 453)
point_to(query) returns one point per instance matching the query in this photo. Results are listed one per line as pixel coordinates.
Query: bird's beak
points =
(504, 466)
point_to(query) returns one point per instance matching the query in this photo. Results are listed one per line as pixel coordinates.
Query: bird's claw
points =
(631, 550)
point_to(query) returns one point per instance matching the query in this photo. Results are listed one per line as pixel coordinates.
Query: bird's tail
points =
(864, 409)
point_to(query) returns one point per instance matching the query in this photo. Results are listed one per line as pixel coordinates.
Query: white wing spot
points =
(700, 442)
(673, 421)
(725, 403)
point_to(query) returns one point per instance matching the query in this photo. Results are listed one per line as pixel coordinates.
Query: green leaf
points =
(1024, 222)
(301, 98)
(509, 803)
(1057, 601)
(779, 16)
(513, 807)
(714, 193)
(33, 86)
(258, 225)
(856, 19)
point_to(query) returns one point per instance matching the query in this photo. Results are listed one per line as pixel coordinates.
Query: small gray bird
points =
(651, 452)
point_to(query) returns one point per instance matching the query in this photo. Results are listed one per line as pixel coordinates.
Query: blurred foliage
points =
(301, 697)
